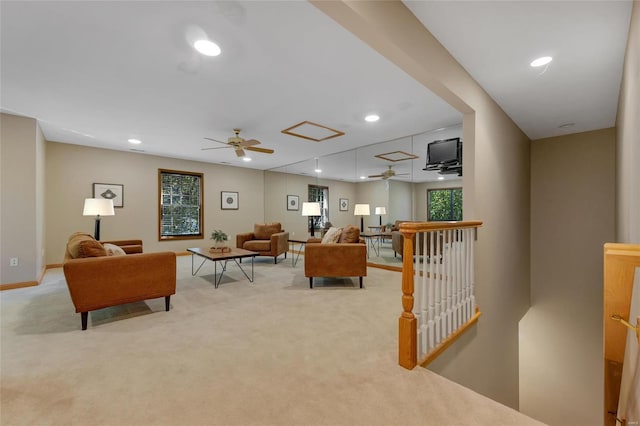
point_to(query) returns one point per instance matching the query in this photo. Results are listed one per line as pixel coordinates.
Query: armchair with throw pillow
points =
(340, 253)
(268, 239)
(100, 275)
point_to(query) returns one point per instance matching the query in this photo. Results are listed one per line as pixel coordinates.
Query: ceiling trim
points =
(400, 156)
(309, 126)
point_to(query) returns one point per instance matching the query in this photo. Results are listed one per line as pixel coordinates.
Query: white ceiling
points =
(496, 40)
(98, 73)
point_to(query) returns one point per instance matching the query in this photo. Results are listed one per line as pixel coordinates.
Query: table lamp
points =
(381, 211)
(98, 207)
(311, 209)
(361, 210)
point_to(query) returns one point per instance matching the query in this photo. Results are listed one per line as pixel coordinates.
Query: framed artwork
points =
(344, 204)
(110, 191)
(229, 200)
(293, 202)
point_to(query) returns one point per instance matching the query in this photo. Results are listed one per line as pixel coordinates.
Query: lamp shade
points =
(361, 210)
(310, 209)
(381, 210)
(98, 207)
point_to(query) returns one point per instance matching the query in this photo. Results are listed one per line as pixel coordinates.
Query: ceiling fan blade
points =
(216, 147)
(215, 140)
(402, 174)
(374, 176)
(256, 149)
(239, 152)
(249, 142)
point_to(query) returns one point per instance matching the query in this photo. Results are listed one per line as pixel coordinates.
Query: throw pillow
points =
(91, 248)
(114, 250)
(350, 234)
(332, 235)
(73, 244)
(263, 231)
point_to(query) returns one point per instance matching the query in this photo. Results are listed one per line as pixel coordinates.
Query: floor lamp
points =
(361, 210)
(98, 207)
(381, 211)
(311, 209)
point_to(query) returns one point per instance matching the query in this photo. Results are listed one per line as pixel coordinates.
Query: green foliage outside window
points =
(180, 204)
(445, 204)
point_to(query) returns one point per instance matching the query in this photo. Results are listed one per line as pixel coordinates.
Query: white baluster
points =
(472, 280)
(460, 268)
(465, 277)
(454, 282)
(449, 283)
(468, 279)
(428, 243)
(437, 282)
(425, 284)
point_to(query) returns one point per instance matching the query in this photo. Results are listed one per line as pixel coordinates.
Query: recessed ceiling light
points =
(440, 177)
(134, 141)
(247, 159)
(372, 118)
(318, 170)
(541, 61)
(363, 177)
(566, 125)
(207, 47)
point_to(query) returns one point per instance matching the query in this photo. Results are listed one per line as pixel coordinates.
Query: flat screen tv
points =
(444, 152)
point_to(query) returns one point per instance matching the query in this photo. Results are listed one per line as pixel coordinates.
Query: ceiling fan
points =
(240, 144)
(388, 174)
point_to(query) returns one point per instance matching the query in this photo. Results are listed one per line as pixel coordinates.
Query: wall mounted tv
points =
(445, 156)
(444, 152)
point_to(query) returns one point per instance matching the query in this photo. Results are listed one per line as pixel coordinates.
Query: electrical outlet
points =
(13, 261)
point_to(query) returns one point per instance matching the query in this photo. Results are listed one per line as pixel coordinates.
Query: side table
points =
(295, 255)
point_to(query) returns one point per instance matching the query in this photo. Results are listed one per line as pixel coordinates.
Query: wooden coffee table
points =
(215, 257)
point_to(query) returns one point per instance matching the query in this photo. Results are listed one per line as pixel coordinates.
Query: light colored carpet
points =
(272, 353)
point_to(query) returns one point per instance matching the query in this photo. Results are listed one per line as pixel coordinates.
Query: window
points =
(181, 208)
(320, 194)
(444, 204)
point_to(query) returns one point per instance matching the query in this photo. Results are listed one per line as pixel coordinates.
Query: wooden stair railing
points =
(442, 272)
(620, 263)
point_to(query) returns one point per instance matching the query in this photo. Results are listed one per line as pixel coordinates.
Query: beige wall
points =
(72, 169)
(496, 190)
(21, 234)
(40, 194)
(628, 139)
(376, 194)
(573, 215)
(401, 201)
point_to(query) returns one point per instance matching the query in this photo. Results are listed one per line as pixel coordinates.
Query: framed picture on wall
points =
(110, 191)
(293, 202)
(344, 204)
(229, 200)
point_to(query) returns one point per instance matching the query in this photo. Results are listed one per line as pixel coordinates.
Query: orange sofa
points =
(340, 259)
(97, 280)
(268, 239)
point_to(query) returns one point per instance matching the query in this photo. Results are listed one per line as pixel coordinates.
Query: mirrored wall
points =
(388, 174)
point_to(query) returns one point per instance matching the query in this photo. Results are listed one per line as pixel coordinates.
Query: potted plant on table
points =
(219, 238)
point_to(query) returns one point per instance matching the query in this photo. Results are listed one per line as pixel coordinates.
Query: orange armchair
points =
(268, 239)
(97, 281)
(341, 259)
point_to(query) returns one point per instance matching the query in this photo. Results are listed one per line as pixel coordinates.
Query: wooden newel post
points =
(407, 324)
